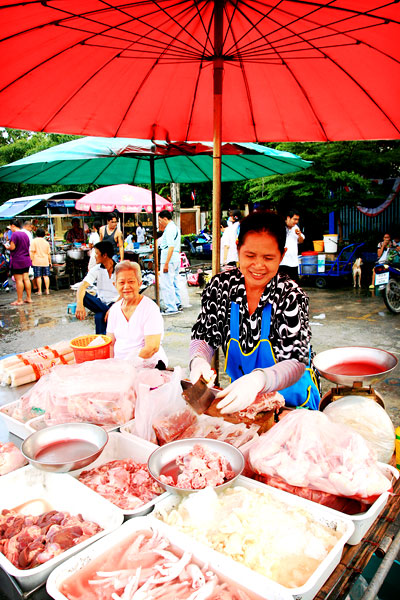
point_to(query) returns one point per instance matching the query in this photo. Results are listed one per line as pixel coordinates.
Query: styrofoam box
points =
(16, 427)
(127, 429)
(119, 447)
(180, 544)
(255, 581)
(363, 521)
(39, 423)
(62, 493)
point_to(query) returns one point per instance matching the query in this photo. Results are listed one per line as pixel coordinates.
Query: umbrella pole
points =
(218, 68)
(155, 250)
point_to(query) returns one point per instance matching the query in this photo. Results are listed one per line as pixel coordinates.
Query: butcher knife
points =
(198, 395)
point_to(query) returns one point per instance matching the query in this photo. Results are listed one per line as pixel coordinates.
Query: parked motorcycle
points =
(200, 246)
(389, 277)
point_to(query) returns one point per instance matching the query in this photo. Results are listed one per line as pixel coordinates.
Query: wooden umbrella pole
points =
(218, 69)
(154, 214)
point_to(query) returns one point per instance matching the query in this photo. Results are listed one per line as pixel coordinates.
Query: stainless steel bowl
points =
(76, 254)
(58, 433)
(58, 258)
(325, 362)
(169, 452)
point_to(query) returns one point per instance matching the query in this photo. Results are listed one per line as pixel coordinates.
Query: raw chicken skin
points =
(143, 567)
(11, 458)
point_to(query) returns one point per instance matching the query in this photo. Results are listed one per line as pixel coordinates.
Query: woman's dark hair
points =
(97, 225)
(105, 248)
(267, 221)
(40, 232)
(16, 223)
(224, 223)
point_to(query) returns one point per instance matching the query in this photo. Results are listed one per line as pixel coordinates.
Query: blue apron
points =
(304, 393)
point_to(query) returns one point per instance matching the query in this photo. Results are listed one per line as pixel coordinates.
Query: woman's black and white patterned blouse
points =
(290, 332)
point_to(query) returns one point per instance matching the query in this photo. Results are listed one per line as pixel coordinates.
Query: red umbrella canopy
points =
(292, 69)
(123, 197)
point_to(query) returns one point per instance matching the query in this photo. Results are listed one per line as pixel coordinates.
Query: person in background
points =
(4, 269)
(382, 252)
(294, 237)
(94, 238)
(7, 235)
(20, 262)
(140, 234)
(134, 323)
(103, 276)
(224, 240)
(111, 233)
(27, 228)
(75, 234)
(230, 249)
(260, 319)
(169, 244)
(41, 260)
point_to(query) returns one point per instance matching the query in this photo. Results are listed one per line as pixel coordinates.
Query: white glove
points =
(201, 368)
(241, 393)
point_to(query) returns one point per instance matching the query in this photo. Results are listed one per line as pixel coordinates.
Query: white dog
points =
(357, 272)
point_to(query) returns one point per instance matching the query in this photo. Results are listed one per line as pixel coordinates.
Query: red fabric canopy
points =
(292, 70)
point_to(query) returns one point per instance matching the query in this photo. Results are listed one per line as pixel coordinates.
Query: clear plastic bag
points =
(98, 391)
(154, 404)
(308, 450)
(369, 419)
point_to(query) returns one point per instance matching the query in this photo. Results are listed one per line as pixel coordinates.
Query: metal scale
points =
(336, 365)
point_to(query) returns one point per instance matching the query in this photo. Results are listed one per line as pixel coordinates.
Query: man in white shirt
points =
(27, 228)
(170, 263)
(140, 233)
(103, 276)
(290, 261)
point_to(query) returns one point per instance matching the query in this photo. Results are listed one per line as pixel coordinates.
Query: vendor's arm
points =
(151, 346)
(120, 241)
(169, 255)
(80, 294)
(112, 336)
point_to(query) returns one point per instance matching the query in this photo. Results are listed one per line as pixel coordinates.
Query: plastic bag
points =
(308, 450)
(153, 404)
(183, 291)
(369, 419)
(98, 391)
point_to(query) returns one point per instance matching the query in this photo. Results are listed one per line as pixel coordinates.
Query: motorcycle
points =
(388, 279)
(201, 246)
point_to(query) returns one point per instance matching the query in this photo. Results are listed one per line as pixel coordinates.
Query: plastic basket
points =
(81, 351)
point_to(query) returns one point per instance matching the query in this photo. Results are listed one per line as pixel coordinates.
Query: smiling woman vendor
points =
(260, 319)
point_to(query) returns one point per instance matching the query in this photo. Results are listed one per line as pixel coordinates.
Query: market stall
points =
(360, 538)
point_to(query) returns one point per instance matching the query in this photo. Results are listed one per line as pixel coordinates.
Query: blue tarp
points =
(16, 206)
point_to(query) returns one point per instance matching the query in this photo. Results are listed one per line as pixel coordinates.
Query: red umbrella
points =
(125, 198)
(252, 70)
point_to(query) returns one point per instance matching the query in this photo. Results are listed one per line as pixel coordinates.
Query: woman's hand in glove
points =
(201, 368)
(241, 393)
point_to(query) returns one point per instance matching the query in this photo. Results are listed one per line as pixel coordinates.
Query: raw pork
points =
(217, 429)
(261, 412)
(28, 541)
(146, 566)
(123, 482)
(11, 458)
(200, 468)
(171, 427)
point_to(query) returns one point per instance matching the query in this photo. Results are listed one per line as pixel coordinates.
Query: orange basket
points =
(81, 351)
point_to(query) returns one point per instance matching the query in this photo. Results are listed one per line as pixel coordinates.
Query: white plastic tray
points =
(257, 582)
(62, 493)
(363, 521)
(271, 590)
(119, 447)
(18, 428)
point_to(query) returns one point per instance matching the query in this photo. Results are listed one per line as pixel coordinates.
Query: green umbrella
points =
(106, 161)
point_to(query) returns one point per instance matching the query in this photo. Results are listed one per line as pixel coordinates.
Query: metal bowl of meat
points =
(352, 365)
(66, 447)
(186, 466)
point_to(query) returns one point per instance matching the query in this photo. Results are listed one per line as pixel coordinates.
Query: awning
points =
(16, 206)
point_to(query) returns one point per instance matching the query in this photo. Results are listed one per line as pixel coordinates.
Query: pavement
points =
(338, 316)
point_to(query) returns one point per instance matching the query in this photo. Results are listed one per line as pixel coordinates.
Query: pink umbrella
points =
(125, 198)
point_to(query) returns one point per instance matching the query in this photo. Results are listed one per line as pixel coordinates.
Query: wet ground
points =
(339, 317)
